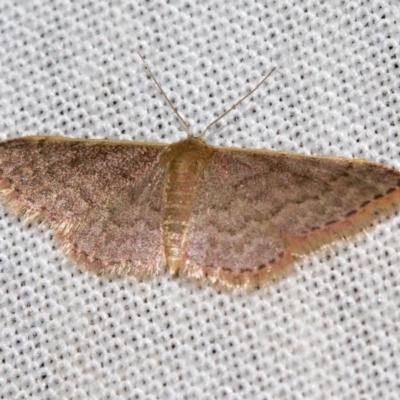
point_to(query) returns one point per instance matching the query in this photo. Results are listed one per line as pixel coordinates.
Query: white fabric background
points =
(330, 330)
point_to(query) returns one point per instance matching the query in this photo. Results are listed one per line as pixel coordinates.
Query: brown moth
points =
(233, 216)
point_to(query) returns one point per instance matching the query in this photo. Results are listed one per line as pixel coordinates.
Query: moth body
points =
(185, 162)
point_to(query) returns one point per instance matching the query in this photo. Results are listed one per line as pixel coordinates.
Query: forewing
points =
(255, 210)
(102, 198)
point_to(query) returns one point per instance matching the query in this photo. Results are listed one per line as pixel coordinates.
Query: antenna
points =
(182, 121)
(237, 103)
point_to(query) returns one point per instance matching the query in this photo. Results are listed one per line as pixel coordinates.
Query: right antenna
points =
(237, 103)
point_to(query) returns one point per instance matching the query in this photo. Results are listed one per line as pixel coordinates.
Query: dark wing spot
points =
(365, 203)
(378, 196)
(261, 266)
(391, 190)
(334, 221)
(41, 142)
(350, 213)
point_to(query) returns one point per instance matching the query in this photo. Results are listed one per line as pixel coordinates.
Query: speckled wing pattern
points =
(256, 210)
(236, 217)
(103, 201)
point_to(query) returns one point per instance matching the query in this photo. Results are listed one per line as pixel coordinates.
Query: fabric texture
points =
(330, 329)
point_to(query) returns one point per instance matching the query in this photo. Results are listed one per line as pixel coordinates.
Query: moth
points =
(232, 216)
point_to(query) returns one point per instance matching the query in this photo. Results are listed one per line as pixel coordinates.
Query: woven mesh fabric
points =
(328, 330)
